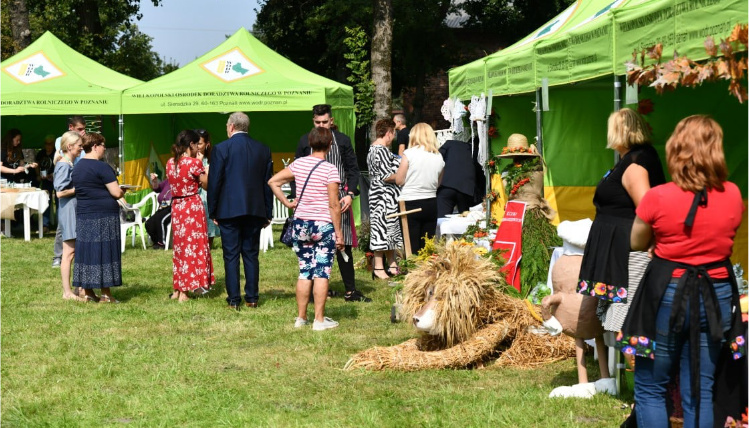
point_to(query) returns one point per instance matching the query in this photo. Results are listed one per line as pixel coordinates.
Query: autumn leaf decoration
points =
(722, 65)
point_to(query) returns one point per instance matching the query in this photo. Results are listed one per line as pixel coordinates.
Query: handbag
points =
(287, 232)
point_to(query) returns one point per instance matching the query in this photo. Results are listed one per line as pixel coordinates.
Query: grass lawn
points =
(152, 362)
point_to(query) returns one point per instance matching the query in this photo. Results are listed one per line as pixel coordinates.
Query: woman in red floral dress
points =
(193, 267)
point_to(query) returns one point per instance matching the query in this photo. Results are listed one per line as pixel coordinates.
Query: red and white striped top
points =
(314, 202)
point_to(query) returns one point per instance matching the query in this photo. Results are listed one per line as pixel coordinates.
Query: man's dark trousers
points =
(241, 235)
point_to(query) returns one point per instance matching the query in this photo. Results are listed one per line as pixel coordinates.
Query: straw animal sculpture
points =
(474, 320)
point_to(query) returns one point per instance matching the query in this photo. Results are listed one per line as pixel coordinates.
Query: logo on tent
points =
(33, 69)
(231, 66)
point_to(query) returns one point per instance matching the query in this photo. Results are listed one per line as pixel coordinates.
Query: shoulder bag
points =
(287, 233)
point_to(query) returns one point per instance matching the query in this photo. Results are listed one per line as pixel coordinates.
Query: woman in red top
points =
(193, 266)
(686, 308)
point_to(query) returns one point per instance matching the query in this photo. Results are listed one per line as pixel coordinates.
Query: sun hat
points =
(517, 145)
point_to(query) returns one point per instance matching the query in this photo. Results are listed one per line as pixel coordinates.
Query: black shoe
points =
(356, 296)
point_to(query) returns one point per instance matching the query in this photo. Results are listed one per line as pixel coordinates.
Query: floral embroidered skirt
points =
(314, 245)
(604, 272)
(97, 251)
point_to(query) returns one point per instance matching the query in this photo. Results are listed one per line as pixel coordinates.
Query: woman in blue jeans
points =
(688, 306)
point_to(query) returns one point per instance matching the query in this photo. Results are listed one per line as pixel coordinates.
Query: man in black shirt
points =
(401, 137)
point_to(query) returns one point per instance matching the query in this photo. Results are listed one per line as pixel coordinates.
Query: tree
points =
(360, 77)
(382, 39)
(310, 33)
(103, 30)
(19, 17)
(510, 20)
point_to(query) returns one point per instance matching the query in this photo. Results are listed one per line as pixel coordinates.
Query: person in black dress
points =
(604, 271)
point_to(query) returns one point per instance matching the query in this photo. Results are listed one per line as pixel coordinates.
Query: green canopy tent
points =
(49, 79)
(241, 74)
(579, 58)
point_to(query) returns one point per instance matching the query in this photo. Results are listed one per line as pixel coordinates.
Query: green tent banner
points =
(50, 78)
(597, 37)
(241, 74)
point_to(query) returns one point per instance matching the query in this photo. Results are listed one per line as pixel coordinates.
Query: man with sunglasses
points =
(341, 155)
(77, 124)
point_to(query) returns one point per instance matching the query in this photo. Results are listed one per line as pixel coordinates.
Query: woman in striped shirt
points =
(316, 225)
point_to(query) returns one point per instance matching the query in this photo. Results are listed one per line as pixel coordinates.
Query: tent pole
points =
(485, 166)
(539, 128)
(617, 105)
(121, 148)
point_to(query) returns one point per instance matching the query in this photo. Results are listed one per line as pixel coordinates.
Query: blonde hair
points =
(69, 139)
(626, 129)
(694, 154)
(422, 135)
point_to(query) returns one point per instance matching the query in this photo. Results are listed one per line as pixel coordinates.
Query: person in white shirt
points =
(420, 173)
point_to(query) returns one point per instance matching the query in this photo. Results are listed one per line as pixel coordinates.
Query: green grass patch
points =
(152, 362)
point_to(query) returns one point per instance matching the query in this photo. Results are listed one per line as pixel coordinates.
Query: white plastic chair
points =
(138, 219)
(167, 235)
(266, 237)
(280, 212)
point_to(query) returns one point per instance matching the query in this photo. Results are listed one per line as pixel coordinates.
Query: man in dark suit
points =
(241, 203)
(341, 155)
(459, 178)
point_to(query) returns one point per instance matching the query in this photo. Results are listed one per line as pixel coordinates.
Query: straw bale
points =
(408, 356)
(530, 350)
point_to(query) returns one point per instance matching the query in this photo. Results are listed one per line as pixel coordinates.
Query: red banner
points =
(510, 238)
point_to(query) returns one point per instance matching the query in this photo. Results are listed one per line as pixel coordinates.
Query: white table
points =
(453, 227)
(37, 200)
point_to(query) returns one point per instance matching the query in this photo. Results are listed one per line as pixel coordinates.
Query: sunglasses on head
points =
(200, 132)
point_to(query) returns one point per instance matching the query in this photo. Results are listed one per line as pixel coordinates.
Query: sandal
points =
(87, 298)
(108, 299)
(380, 270)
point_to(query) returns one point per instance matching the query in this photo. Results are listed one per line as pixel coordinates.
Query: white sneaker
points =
(300, 322)
(324, 325)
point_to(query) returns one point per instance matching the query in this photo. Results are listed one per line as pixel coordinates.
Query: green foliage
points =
(540, 291)
(103, 30)
(363, 233)
(356, 44)
(513, 172)
(510, 20)
(539, 238)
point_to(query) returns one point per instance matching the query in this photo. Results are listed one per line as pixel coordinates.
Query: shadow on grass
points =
(569, 377)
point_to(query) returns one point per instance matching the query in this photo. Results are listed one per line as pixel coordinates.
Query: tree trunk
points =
(19, 25)
(382, 41)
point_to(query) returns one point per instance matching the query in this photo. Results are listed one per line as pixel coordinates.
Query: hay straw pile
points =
(475, 321)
